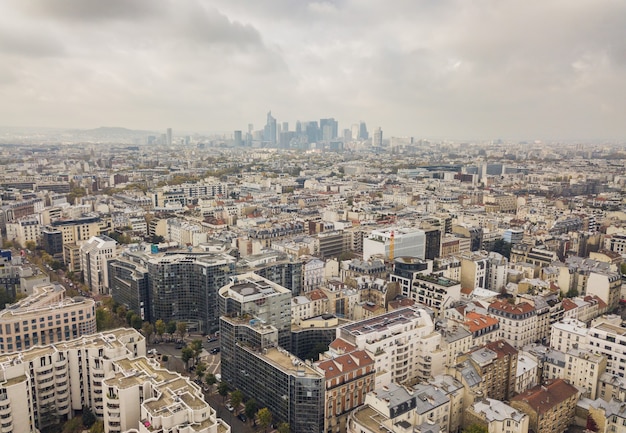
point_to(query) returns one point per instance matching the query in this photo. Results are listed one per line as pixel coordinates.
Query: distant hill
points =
(108, 134)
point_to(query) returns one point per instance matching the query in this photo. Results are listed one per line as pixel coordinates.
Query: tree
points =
(222, 389)
(251, 408)
(265, 417)
(160, 327)
(186, 354)
(89, 418)
(236, 397)
(210, 380)
(135, 321)
(147, 329)
(201, 369)
(181, 329)
(171, 327)
(475, 428)
(196, 346)
(283, 427)
(98, 427)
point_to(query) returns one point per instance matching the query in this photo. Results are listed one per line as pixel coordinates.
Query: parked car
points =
(215, 350)
(229, 406)
(242, 417)
(211, 340)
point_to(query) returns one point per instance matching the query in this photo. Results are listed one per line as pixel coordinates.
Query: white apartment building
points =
(107, 372)
(45, 317)
(406, 243)
(403, 343)
(93, 262)
(309, 305)
(313, 273)
(23, 231)
(518, 322)
(608, 339)
(396, 409)
(567, 333)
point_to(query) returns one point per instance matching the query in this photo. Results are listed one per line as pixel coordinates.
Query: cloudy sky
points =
(546, 69)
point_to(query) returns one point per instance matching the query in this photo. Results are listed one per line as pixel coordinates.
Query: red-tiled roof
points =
(476, 321)
(342, 345)
(543, 398)
(521, 308)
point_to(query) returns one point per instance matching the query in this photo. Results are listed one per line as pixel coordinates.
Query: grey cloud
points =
(26, 42)
(210, 26)
(91, 10)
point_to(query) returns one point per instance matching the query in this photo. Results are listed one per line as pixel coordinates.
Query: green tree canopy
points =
(181, 329)
(251, 408)
(222, 389)
(171, 327)
(236, 397)
(265, 417)
(475, 428)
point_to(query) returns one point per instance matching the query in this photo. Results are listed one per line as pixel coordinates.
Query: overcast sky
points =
(544, 69)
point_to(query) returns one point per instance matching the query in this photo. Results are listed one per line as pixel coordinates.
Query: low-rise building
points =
(496, 416)
(550, 407)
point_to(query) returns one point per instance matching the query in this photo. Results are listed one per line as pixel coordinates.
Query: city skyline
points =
(424, 69)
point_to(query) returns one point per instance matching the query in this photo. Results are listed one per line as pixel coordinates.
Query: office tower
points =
(285, 127)
(347, 135)
(312, 131)
(255, 319)
(169, 136)
(269, 133)
(363, 134)
(329, 128)
(184, 287)
(355, 131)
(377, 140)
(129, 285)
(238, 140)
(298, 127)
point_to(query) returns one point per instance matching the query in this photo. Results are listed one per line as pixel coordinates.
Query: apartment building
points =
(474, 270)
(608, 416)
(93, 262)
(403, 343)
(311, 304)
(107, 372)
(567, 333)
(24, 230)
(550, 407)
(349, 378)
(45, 317)
(608, 339)
(394, 408)
(496, 416)
(496, 363)
(518, 322)
(583, 369)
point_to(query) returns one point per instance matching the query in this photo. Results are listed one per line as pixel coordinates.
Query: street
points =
(174, 363)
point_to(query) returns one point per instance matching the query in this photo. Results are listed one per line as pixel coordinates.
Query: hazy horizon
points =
(549, 70)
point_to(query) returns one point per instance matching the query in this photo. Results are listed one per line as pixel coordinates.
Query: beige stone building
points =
(550, 407)
(496, 416)
(45, 317)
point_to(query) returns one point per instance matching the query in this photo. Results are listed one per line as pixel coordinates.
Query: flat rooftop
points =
(384, 321)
